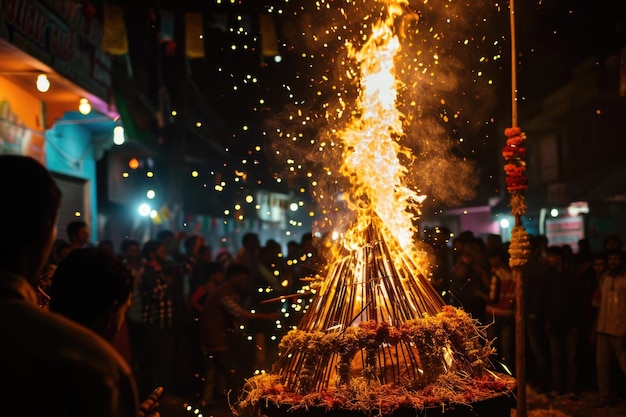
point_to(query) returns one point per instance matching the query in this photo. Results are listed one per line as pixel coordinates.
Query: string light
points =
(84, 107)
(43, 84)
(118, 135)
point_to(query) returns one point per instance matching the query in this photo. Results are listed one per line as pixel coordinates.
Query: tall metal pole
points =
(520, 339)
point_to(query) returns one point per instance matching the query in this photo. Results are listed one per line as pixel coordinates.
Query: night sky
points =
(242, 98)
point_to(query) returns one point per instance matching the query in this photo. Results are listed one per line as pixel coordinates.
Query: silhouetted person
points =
(130, 254)
(562, 320)
(107, 245)
(501, 307)
(220, 334)
(611, 326)
(78, 234)
(157, 318)
(534, 277)
(93, 287)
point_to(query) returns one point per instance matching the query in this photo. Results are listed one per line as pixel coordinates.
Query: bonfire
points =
(377, 338)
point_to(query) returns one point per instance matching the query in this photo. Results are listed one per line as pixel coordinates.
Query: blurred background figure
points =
(93, 288)
(501, 307)
(130, 254)
(562, 311)
(221, 336)
(107, 245)
(611, 327)
(157, 318)
(198, 300)
(78, 234)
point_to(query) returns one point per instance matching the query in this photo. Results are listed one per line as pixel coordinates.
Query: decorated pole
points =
(514, 153)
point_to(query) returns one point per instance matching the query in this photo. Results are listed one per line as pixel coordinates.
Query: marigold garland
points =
(519, 248)
(465, 380)
(516, 180)
(514, 153)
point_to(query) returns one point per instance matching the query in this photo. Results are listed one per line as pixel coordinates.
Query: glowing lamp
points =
(133, 163)
(144, 210)
(43, 84)
(118, 135)
(84, 107)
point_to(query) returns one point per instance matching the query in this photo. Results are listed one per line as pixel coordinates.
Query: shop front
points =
(54, 98)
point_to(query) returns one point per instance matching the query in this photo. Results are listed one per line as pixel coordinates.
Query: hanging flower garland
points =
(519, 247)
(514, 154)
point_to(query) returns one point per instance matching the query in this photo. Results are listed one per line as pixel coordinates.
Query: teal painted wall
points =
(70, 151)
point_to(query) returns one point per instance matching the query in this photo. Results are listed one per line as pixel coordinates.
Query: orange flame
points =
(371, 149)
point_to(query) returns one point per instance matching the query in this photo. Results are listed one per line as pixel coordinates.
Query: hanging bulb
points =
(118, 135)
(43, 84)
(84, 107)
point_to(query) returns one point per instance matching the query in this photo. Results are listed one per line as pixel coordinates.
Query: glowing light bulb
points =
(144, 210)
(118, 135)
(84, 107)
(43, 84)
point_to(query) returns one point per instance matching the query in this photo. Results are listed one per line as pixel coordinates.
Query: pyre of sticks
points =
(376, 316)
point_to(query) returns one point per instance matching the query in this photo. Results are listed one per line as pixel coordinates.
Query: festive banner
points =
(114, 39)
(194, 35)
(269, 44)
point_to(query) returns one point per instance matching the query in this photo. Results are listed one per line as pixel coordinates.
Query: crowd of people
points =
(187, 321)
(193, 322)
(91, 328)
(574, 310)
(51, 363)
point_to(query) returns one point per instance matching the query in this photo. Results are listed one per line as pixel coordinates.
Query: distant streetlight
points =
(144, 210)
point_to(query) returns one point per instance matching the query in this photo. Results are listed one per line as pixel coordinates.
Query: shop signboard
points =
(565, 231)
(62, 35)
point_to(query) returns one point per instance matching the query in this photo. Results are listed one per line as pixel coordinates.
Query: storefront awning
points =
(64, 96)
